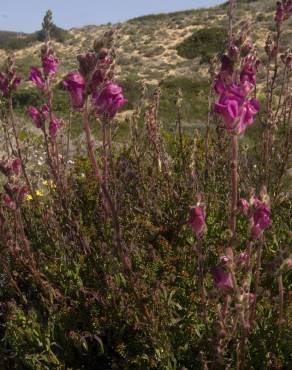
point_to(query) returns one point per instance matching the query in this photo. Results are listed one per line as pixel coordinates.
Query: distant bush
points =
(203, 43)
(152, 52)
(131, 86)
(19, 40)
(25, 97)
(194, 92)
(15, 40)
(57, 33)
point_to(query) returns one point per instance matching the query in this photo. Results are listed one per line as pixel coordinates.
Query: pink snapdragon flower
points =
(261, 220)
(283, 12)
(287, 60)
(224, 260)
(54, 127)
(258, 211)
(39, 116)
(197, 220)
(279, 16)
(228, 108)
(222, 279)
(109, 100)
(15, 195)
(243, 206)
(9, 202)
(45, 111)
(75, 84)
(237, 111)
(242, 258)
(36, 117)
(249, 70)
(4, 84)
(16, 166)
(50, 64)
(247, 113)
(35, 76)
(7, 85)
(233, 105)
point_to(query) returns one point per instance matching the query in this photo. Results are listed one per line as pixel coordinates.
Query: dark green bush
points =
(204, 44)
(19, 40)
(16, 40)
(25, 97)
(56, 33)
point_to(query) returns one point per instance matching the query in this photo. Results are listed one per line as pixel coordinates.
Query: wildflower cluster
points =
(103, 264)
(235, 87)
(9, 80)
(15, 191)
(94, 79)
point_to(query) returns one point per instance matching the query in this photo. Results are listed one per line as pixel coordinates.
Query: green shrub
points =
(16, 40)
(20, 40)
(194, 92)
(152, 52)
(203, 43)
(25, 97)
(56, 33)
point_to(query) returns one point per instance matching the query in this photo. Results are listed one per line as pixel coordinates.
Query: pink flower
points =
(35, 76)
(4, 84)
(228, 108)
(287, 60)
(15, 82)
(97, 79)
(242, 258)
(224, 260)
(8, 84)
(243, 206)
(283, 11)
(246, 48)
(54, 127)
(279, 16)
(45, 110)
(75, 84)
(261, 220)
(109, 100)
(222, 279)
(233, 53)
(248, 73)
(247, 112)
(226, 67)
(9, 202)
(197, 220)
(16, 166)
(232, 106)
(36, 117)
(50, 64)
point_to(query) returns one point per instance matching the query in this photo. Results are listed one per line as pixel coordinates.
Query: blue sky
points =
(26, 15)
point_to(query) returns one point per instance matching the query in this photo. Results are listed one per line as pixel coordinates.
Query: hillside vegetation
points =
(176, 47)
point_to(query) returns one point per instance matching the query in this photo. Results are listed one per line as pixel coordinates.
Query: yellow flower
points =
(28, 197)
(37, 193)
(49, 183)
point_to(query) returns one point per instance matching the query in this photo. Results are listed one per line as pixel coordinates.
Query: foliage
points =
(19, 40)
(101, 264)
(203, 44)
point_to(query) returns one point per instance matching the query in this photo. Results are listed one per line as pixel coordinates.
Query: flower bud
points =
(98, 45)
(87, 63)
(246, 48)
(233, 53)
(287, 60)
(224, 260)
